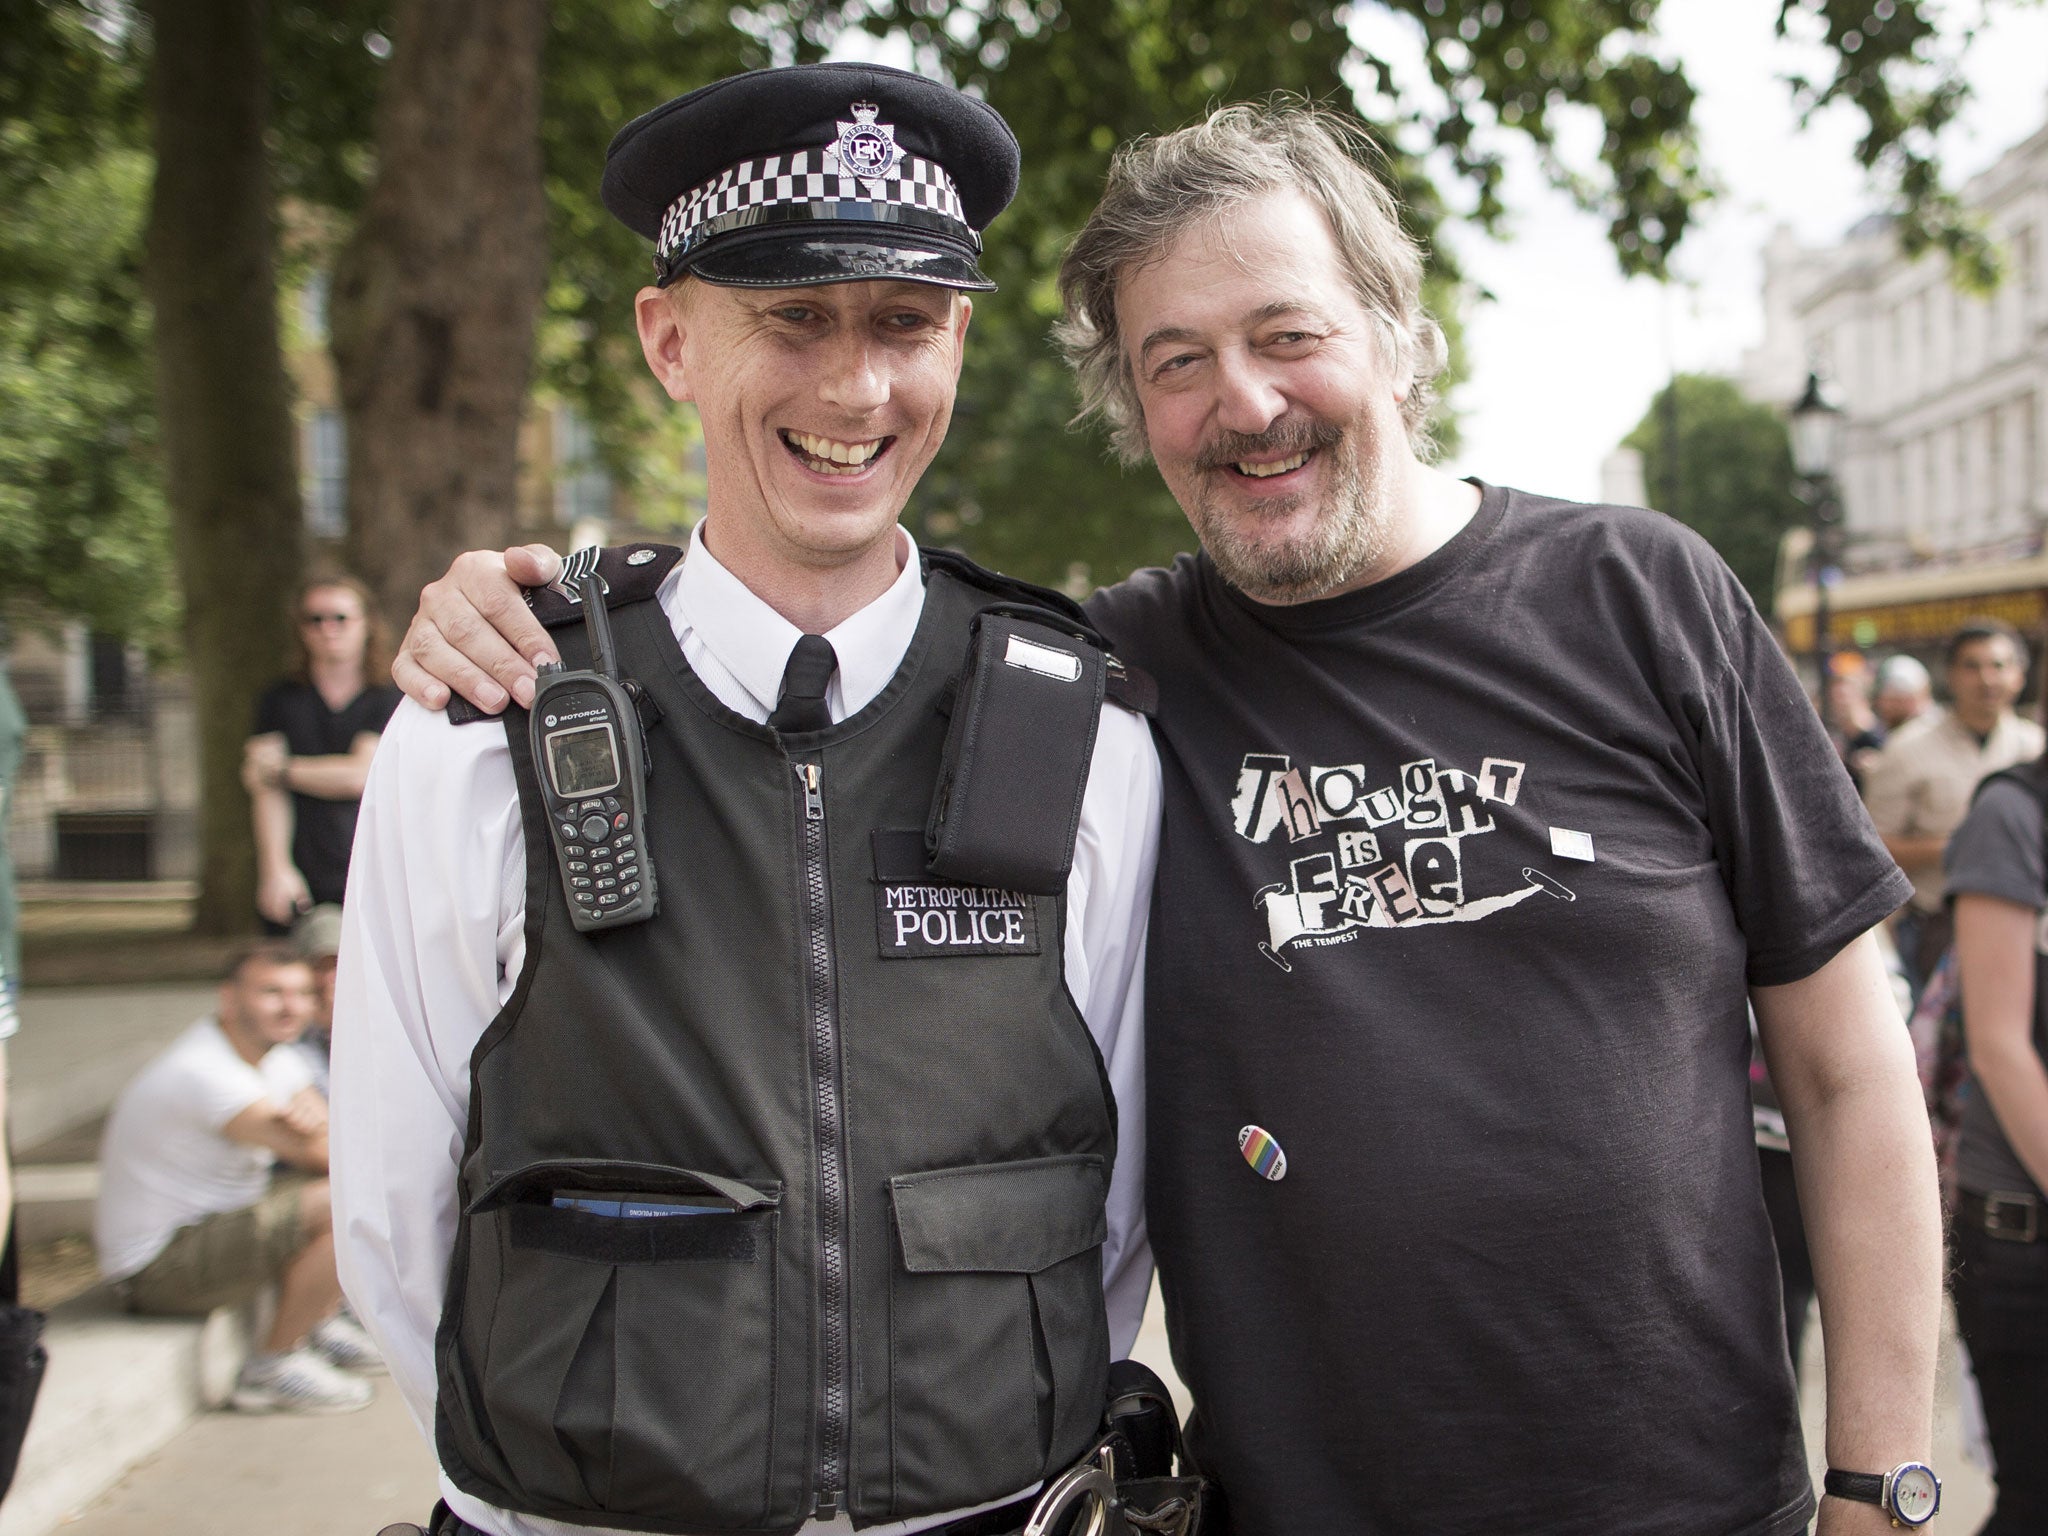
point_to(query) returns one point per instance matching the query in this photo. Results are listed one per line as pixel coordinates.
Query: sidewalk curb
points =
(118, 1388)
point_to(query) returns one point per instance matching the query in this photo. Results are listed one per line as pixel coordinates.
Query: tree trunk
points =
(223, 401)
(436, 295)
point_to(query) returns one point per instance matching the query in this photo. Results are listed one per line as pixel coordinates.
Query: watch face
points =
(1915, 1494)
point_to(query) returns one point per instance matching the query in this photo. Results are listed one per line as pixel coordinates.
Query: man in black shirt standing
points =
(306, 762)
(1487, 818)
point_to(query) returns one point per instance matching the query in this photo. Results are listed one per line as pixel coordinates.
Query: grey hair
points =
(1158, 186)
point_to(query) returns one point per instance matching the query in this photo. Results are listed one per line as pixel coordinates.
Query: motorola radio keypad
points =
(589, 750)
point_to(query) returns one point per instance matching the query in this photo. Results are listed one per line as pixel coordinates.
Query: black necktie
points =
(804, 682)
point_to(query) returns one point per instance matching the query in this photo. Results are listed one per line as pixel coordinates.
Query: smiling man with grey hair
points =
(1487, 819)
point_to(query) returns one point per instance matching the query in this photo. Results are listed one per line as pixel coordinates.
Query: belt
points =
(2008, 1216)
(1001, 1521)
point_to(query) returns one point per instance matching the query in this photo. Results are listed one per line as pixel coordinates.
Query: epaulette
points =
(631, 573)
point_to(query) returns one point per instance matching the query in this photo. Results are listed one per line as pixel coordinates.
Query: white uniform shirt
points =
(164, 1163)
(433, 939)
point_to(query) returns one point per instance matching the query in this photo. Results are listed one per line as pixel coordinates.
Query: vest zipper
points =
(831, 1133)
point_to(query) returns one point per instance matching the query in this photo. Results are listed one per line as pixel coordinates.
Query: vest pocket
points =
(624, 1362)
(998, 1347)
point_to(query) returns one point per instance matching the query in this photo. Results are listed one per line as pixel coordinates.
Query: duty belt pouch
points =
(1154, 1498)
(1016, 756)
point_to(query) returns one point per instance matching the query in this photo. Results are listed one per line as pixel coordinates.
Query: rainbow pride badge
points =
(1262, 1152)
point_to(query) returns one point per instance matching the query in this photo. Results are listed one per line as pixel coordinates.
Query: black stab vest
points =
(876, 1083)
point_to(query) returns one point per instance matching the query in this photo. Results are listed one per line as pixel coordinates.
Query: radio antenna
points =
(597, 623)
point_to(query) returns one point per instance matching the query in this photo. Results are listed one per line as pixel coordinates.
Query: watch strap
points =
(1864, 1487)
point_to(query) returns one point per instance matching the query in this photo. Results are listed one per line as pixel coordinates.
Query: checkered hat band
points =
(807, 213)
(803, 179)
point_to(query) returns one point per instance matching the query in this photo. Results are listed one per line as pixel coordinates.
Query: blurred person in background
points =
(1904, 692)
(1920, 785)
(192, 1214)
(1996, 876)
(1858, 732)
(315, 731)
(316, 939)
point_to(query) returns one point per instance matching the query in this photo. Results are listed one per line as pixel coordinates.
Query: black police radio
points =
(588, 742)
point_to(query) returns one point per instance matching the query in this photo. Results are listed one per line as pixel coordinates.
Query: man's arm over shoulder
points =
(1109, 896)
(473, 633)
(429, 933)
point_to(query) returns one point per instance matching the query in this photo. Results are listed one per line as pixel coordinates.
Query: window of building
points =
(323, 457)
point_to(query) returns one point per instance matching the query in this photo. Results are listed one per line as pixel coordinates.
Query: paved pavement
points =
(349, 1475)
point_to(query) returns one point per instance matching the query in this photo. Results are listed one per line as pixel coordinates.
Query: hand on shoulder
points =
(473, 633)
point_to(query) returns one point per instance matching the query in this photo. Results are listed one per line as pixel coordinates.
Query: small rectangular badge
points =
(1047, 660)
(1567, 844)
(919, 916)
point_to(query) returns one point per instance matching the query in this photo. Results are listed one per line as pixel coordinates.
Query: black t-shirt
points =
(322, 830)
(1997, 852)
(1462, 881)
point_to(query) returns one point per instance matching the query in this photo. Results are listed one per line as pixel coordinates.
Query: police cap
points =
(818, 173)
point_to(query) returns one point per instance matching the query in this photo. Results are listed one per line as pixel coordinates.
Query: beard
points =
(1351, 535)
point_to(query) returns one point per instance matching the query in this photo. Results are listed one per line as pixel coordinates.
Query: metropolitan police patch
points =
(919, 916)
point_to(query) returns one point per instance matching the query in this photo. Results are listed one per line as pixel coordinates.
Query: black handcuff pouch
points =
(1159, 1489)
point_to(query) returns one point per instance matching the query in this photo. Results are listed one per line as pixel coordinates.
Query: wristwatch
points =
(1910, 1493)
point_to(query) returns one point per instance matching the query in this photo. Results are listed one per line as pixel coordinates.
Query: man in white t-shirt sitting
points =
(192, 1214)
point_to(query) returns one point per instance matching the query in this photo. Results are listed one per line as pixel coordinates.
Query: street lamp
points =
(1816, 430)
(1816, 440)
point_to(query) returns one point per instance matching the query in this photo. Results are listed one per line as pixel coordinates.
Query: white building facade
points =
(1944, 463)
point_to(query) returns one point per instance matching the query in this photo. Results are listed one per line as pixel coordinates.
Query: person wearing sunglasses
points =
(305, 765)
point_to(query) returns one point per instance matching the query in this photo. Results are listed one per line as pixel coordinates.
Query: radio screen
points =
(584, 761)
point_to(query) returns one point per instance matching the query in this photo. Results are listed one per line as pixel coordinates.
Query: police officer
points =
(810, 1201)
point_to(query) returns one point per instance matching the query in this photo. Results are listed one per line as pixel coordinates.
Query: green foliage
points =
(326, 67)
(83, 528)
(1899, 64)
(1724, 467)
(82, 520)
(68, 87)
(604, 65)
